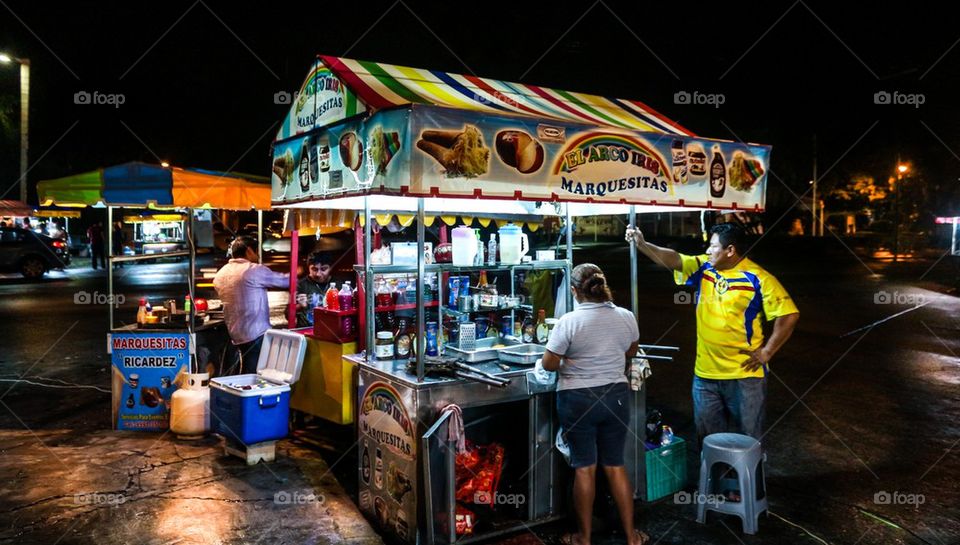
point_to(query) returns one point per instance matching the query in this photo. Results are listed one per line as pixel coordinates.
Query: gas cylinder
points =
(190, 407)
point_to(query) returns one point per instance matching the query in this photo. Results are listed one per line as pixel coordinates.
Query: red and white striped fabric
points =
(381, 85)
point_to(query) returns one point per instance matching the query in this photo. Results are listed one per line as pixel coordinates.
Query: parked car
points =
(31, 254)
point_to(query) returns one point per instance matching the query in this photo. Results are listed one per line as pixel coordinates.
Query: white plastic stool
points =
(744, 455)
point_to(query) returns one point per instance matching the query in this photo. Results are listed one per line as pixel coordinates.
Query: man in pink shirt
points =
(242, 286)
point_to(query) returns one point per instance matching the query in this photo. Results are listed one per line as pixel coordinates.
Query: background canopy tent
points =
(359, 128)
(143, 185)
(15, 208)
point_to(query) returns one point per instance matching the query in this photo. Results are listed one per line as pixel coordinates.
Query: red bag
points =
(478, 472)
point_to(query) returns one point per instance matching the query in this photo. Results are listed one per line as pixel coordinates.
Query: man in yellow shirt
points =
(732, 293)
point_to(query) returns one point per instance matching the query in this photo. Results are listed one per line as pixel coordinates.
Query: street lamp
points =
(902, 169)
(24, 116)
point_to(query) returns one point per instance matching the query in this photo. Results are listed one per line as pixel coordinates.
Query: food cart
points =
(383, 139)
(157, 232)
(147, 356)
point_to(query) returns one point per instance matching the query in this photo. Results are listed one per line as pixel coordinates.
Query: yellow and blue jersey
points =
(730, 304)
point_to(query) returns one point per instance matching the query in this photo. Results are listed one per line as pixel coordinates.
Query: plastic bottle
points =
(429, 287)
(666, 437)
(331, 297)
(394, 287)
(401, 291)
(492, 250)
(186, 304)
(478, 259)
(346, 297)
(382, 294)
(142, 311)
(411, 291)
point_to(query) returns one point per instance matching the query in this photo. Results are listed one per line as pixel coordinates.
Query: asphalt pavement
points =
(862, 436)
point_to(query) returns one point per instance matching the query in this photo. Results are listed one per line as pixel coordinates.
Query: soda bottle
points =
(331, 298)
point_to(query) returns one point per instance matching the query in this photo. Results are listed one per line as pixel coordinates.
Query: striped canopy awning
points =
(371, 86)
(382, 85)
(144, 185)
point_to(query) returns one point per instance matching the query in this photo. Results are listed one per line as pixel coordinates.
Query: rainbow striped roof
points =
(379, 85)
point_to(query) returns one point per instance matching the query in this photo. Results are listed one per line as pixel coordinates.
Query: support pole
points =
(954, 250)
(24, 125)
(260, 233)
(191, 278)
(813, 208)
(634, 288)
(368, 278)
(569, 257)
(292, 288)
(421, 283)
(109, 263)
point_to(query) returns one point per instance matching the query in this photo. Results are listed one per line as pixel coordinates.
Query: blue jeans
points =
(243, 358)
(594, 422)
(741, 402)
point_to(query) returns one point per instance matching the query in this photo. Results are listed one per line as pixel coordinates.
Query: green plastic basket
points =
(666, 469)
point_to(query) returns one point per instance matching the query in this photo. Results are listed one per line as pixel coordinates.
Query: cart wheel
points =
(32, 267)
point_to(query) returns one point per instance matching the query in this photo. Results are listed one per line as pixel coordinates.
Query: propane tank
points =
(190, 407)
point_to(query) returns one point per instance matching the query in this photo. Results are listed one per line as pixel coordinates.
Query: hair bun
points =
(590, 282)
(596, 285)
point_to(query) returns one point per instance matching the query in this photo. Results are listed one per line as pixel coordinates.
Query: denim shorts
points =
(595, 423)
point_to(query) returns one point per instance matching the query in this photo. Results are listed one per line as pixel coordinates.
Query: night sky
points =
(198, 78)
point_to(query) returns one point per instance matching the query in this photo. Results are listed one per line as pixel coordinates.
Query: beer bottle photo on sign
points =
(718, 174)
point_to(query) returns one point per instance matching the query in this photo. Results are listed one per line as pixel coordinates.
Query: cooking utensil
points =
(449, 367)
(522, 354)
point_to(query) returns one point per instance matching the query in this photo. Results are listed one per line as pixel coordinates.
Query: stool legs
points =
(748, 496)
(748, 508)
(702, 491)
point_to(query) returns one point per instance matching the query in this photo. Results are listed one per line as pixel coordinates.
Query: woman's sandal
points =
(570, 539)
(643, 537)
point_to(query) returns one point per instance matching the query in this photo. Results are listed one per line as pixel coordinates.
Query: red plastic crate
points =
(329, 325)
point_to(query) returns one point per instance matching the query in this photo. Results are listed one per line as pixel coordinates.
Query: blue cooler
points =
(256, 408)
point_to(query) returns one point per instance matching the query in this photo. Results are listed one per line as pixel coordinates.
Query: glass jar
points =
(383, 348)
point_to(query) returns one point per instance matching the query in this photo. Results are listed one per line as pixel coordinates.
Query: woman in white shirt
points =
(591, 348)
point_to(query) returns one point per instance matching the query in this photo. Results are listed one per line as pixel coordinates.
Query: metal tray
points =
(523, 354)
(484, 350)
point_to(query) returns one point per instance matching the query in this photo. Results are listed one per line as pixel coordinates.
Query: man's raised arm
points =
(663, 256)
